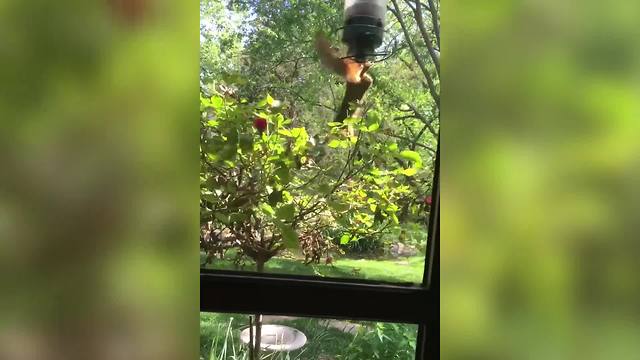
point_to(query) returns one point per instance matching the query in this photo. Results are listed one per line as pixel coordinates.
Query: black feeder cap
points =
(362, 34)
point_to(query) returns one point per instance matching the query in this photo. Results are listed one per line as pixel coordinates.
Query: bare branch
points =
(434, 20)
(425, 36)
(416, 1)
(410, 4)
(412, 142)
(420, 116)
(416, 55)
(296, 94)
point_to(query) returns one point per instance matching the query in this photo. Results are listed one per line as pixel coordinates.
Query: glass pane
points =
(226, 336)
(296, 179)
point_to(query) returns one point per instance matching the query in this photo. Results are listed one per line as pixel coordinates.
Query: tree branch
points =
(416, 55)
(434, 20)
(292, 92)
(425, 36)
(420, 116)
(412, 142)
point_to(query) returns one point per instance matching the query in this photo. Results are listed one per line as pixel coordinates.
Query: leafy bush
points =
(414, 234)
(365, 246)
(265, 182)
(384, 341)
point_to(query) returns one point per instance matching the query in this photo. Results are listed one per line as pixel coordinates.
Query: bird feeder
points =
(363, 27)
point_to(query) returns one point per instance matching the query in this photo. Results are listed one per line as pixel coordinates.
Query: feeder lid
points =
(277, 338)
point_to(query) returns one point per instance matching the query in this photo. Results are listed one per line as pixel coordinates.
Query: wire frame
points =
(384, 56)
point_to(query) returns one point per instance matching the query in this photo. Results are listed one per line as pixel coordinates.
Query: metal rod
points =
(251, 342)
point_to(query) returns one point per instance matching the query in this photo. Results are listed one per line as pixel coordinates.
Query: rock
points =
(401, 250)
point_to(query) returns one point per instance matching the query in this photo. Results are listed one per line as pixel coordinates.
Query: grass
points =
(404, 270)
(219, 339)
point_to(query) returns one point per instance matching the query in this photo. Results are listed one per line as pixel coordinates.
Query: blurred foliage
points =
(540, 166)
(98, 179)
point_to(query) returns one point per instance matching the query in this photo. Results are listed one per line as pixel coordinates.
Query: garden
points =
(361, 260)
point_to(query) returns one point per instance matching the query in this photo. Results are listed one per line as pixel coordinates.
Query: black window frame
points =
(233, 292)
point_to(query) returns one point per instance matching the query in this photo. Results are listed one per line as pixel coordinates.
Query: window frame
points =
(225, 291)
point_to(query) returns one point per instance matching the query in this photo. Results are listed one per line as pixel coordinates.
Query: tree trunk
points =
(404, 213)
(260, 266)
(256, 348)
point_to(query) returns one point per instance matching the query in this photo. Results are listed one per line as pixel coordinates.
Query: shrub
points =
(384, 341)
(414, 234)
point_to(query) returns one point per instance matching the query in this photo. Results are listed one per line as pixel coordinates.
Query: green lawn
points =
(403, 270)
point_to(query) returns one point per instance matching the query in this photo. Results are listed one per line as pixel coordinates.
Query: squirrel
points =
(354, 73)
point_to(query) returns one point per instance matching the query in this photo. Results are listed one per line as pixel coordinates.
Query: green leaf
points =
(269, 100)
(275, 197)
(334, 143)
(210, 197)
(373, 127)
(204, 103)
(224, 218)
(338, 206)
(279, 120)
(239, 202)
(412, 156)
(286, 196)
(289, 236)
(373, 117)
(267, 209)
(217, 102)
(228, 153)
(335, 124)
(286, 212)
(338, 144)
(345, 238)
(283, 175)
(205, 215)
(352, 121)
(409, 172)
(301, 133)
(232, 137)
(395, 219)
(393, 147)
(237, 217)
(324, 188)
(246, 143)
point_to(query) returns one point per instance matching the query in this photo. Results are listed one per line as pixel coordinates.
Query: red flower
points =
(131, 11)
(260, 124)
(427, 200)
